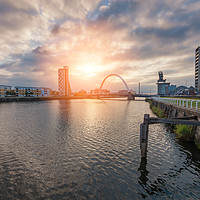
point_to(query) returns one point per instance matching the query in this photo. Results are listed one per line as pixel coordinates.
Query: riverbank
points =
(183, 132)
(18, 99)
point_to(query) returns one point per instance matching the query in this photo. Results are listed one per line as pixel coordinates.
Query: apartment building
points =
(197, 69)
(4, 89)
(64, 88)
(22, 91)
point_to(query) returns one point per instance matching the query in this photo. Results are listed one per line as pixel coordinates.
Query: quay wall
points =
(18, 99)
(172, 111)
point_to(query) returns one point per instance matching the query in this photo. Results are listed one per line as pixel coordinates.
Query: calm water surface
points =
(89, 149)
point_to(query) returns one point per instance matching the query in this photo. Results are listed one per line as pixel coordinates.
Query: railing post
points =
(185, 103)
(197, 104)
(191, 104)
(188, 103)
(144, 128)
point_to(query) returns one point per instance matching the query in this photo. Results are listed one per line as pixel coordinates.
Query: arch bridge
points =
(130, 92)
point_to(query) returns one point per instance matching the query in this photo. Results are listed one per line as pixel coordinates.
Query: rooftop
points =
(5, 85)
(32, 87)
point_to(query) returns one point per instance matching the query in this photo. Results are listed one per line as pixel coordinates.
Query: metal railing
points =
(187, 103)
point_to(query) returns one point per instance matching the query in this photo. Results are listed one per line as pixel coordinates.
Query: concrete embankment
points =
(17, 99)
(162, 109)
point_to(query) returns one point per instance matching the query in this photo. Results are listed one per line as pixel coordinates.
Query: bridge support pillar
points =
(131, 97)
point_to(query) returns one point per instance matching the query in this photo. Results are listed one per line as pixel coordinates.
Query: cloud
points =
(56, 29)
(66, 9)
(135, 39)
(116, 9)
(174, 33)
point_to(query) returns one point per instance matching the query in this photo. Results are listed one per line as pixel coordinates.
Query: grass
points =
(157, 111)
(184, 132)
(197, 143)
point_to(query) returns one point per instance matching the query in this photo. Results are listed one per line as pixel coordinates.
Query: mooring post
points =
(144, 128)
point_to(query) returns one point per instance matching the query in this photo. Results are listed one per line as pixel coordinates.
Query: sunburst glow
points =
(97, 38)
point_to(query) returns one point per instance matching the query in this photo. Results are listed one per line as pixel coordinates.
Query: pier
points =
(176, 114)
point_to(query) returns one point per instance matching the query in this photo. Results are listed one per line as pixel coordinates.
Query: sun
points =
(88, 70)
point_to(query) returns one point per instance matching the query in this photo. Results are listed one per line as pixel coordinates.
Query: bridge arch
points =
(116, 76)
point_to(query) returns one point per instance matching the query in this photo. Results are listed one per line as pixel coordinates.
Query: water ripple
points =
(89, 149)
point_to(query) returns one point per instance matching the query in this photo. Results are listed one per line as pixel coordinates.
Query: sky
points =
(132, 38)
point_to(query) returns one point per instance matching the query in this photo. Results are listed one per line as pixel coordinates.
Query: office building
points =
(22, 91)
(162, 85)
(4, 89)
(171, 89)
(197, 69)
(191, 90)
(64, 88)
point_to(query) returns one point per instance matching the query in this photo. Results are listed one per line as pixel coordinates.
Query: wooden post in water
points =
(144, 128)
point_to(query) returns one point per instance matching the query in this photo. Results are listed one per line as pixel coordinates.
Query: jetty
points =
(177, 111)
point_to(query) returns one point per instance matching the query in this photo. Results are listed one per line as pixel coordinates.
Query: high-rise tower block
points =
(64, 88)
(197, 69)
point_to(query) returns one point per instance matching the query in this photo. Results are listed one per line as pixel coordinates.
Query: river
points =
(89, 149)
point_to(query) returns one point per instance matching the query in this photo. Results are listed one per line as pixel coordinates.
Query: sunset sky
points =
(132, 38)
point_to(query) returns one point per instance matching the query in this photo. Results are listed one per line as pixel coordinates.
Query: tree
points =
(11, 92)
(28, 93)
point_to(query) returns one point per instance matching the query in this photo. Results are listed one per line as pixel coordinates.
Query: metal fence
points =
(187, 103)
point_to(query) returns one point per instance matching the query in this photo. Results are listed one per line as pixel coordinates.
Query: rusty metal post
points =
(144, 128)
